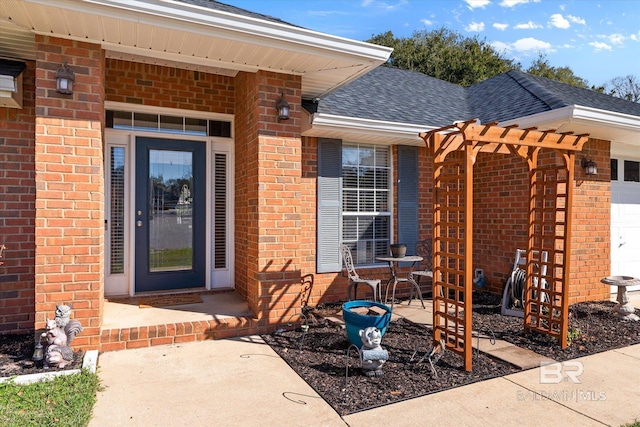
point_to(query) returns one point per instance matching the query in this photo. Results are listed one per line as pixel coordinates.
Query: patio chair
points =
(424, 269)
(354, 277)
(513, 294)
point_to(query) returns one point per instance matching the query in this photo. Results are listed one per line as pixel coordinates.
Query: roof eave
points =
(364, 130)
(598, 123)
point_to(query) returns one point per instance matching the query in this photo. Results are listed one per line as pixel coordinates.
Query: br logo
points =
(555, 373)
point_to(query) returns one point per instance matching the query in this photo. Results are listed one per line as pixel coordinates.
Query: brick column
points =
(268, 198)
(69, 224)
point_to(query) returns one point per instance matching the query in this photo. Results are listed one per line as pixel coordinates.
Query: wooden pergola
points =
(550, 157)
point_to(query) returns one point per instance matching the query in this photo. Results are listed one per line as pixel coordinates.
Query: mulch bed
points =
(16, 352)
(320, 355)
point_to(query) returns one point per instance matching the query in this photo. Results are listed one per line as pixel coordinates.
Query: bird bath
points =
(623, 309)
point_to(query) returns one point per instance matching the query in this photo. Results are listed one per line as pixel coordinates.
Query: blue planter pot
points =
(354, 322)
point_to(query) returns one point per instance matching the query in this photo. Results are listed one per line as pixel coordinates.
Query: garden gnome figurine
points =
(372, 354)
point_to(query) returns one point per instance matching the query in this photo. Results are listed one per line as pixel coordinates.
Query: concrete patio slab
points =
(518, 356)
(603, 387)
(496, 402)
(229, 382)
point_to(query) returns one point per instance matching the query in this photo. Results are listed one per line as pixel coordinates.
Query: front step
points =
(174, 333)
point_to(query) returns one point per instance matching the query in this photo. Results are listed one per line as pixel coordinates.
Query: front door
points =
(169, 214)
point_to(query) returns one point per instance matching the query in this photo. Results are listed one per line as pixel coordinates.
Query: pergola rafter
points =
(454, 150)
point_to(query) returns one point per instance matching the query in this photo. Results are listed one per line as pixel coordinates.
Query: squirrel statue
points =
(58, 335)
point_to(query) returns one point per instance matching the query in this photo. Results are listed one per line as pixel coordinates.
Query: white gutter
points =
(366, 129)
(243, 28)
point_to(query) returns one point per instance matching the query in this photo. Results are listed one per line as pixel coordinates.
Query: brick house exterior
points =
(53, 153)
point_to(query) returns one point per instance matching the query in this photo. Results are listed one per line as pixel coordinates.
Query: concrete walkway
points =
(242, 382)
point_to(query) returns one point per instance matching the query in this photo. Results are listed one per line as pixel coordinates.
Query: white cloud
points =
(530, 44)
(558, 21)
(477, 3)
(500, 27)
(616, 39)
(576, 20)
(526, 46)
(512, 3)
(633, 37)
(527, 26)
(475, 27)
(600, 46)
(383, 5)
(426, 22)
(501, 46)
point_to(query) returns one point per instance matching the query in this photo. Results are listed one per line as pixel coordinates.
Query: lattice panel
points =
(451, 317)
(546, 294)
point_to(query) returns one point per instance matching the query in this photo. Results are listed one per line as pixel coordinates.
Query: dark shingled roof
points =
(395, 95)
(211, 4)
(516, 94)
(391, 94)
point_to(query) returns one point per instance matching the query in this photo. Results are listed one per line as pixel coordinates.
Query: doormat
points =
(167, 300)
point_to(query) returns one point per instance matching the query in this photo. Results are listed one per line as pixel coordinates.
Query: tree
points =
(627, 87)
(541, 67)
(446, 55)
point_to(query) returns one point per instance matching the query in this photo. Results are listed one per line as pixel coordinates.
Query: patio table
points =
(395, 278)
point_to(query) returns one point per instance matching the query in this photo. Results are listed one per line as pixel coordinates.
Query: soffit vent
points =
(11, 83)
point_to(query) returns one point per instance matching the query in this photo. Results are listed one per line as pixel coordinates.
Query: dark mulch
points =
(16, 352)
(320, 355)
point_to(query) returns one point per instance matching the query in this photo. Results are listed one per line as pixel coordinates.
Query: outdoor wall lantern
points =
(64, 79)
(283, 108)
(590, 167)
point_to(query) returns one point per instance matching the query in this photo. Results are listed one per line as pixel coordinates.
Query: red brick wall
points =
(500, 215)
(17, 210)
(591, 239)
(268, 173)
(158, 86)
(501, 191)
(69, 233)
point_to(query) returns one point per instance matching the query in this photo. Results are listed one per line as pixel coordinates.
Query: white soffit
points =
(599, 124)
(364, 130)
(168, 32)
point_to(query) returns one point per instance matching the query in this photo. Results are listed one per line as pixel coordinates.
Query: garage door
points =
(625, 218)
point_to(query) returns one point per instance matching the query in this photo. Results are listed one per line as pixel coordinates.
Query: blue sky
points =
(598, 40)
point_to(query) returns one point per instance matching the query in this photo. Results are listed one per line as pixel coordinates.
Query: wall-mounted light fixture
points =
(283, 108)
(64, 79)
(590, 167)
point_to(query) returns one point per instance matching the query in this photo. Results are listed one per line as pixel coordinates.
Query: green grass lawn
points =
(65, 401)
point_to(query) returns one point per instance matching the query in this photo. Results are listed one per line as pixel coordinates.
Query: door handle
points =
(139, 223)
(621, 242)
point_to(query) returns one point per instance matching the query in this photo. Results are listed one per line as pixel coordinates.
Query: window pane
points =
(350, 177)
(195, 126)
(631, 171)
(367, 156)
(367, 179)
(350, 201)
(614, 169)
(382, 157)
(349, 156)
(145, 121)
(122, 120)
(171, 123)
